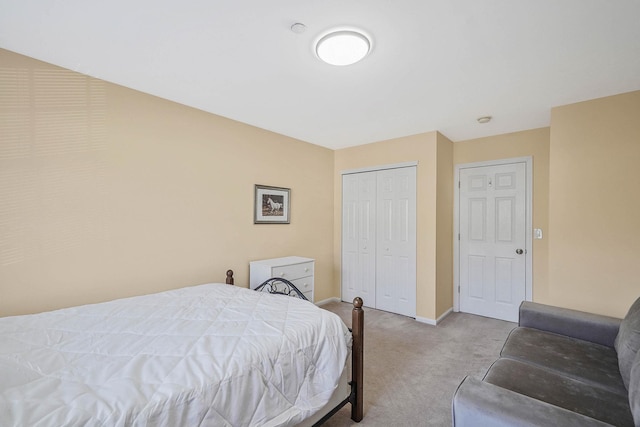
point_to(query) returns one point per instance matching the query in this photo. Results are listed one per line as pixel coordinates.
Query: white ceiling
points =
(435, 65)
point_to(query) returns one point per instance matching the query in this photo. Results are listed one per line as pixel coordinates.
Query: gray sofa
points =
(559, 367)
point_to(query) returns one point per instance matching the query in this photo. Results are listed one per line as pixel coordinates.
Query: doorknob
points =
(519, 251)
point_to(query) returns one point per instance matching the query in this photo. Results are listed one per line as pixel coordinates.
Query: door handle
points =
(519, 251)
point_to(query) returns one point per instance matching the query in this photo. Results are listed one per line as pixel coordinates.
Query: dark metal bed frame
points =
(284, 287)
(279, 286)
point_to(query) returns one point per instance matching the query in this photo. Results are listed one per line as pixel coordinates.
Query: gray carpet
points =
(413, 369)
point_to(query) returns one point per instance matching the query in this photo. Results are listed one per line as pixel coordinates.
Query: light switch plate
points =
(537, 233)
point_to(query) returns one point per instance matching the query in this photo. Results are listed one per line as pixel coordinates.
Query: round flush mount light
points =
(343, 47)
(484, 119)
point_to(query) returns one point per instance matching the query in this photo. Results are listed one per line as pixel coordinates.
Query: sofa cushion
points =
(628, 341)
(581, 360)
(478, 403)
(562, 391)
(634, 390)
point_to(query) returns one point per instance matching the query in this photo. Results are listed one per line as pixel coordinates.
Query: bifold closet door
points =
(379, 239)
(359, 237)
(396, 241)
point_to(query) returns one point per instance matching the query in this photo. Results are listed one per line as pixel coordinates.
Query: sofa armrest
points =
(572, 323)
(476, 403)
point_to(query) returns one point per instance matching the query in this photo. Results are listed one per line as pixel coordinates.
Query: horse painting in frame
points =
(272, 205)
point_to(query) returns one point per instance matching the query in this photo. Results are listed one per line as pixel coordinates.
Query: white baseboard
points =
(426, 320)
(445, 314)
(327, 301)
(434, 322)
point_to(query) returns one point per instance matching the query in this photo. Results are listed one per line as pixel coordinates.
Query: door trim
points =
(379, 168)
(528, 161)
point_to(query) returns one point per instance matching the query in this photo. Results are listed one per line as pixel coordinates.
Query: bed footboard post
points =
(357, 359)
(229, 280)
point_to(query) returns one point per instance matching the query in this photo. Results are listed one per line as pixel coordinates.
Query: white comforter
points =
(213, 355)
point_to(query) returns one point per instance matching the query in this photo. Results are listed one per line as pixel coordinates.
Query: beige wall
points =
(444, 226)
(424, 149)
(594, 225)
(534, 143)
(107, 192)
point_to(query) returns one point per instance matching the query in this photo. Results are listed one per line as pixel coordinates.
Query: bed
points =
(212, 354)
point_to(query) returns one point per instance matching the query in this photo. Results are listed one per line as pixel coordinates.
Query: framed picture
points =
(272, 205)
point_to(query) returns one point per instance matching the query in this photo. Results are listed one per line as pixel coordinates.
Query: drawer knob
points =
(282, 274)
(306, 269)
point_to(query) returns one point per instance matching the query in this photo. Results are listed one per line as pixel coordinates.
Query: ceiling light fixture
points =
(484, 119)
(343, 47)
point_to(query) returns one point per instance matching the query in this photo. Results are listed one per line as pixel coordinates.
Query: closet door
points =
(396, 241)
(359, 237)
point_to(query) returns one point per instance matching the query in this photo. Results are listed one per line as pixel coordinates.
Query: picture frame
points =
(272, 205)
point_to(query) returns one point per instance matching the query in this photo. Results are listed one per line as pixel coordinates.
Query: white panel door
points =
(493, 240)
(359, 237)
(396, 241)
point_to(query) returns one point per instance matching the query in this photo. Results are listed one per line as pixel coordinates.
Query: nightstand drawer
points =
(304, 284)
(294, 271)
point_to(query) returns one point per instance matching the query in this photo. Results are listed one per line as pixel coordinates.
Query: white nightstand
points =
(297, 270)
